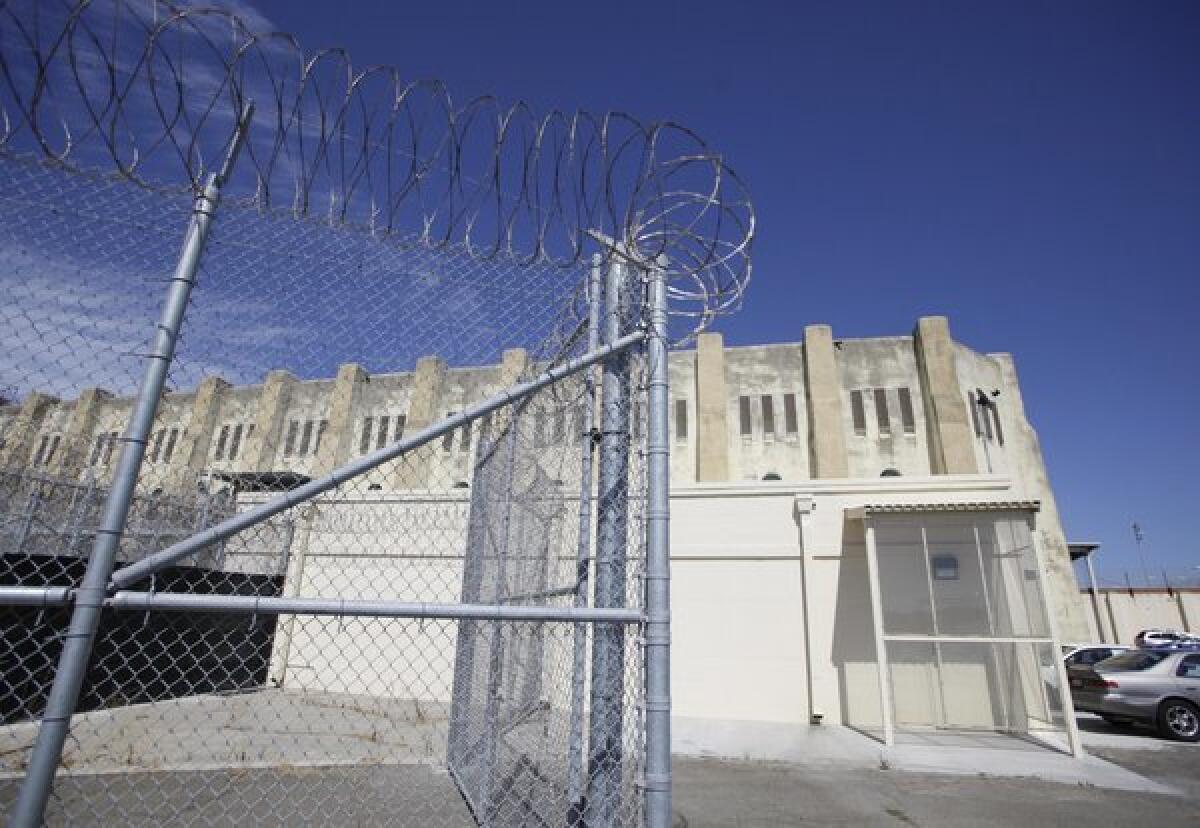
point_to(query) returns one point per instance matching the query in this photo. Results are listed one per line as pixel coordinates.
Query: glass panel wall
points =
(999, 686)
(958, 594)
(903, 567)
(964, 623)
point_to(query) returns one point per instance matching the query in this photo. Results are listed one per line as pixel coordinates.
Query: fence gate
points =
(333, 433)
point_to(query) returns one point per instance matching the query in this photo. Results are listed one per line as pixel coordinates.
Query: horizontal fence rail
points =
(125, 600)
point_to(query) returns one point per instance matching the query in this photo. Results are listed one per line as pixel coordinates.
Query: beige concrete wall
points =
(711, 403)
(338, 444)
(826, 437)
(73, 454)
(21, 433)
(739, 657)
(949, 432)
(819, 376)
(424, 407)
(1189, 610)
(1123, 613)
(887, 364)
(270, 422)
(773, 371)
(685, 384)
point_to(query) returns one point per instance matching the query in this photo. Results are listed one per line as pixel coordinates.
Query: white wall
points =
(1117, 615)
(749, 664)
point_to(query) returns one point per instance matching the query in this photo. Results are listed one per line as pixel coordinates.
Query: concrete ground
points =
(132, 768)
(263, 729)
(1156, 782)
(711, 792)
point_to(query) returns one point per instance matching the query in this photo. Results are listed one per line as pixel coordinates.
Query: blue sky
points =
(1031, 170)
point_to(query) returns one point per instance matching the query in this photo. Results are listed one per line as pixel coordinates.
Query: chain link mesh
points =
(363, 651)
(304, 347)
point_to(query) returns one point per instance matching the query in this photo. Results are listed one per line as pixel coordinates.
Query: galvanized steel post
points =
(90, 596)
(583, 555)
(658, 565)
(606, 725)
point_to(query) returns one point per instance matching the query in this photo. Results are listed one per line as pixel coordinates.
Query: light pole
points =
(1138, 537)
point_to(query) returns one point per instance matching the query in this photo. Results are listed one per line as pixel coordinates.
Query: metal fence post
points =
(90, 596)
(493, 701)
(658, 565)
(606, 727)
(583, 556)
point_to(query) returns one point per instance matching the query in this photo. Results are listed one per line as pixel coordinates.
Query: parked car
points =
(1155, 638)
(1076, 654)
(1160, 687)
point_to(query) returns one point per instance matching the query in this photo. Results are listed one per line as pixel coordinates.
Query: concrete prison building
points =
(863, 530)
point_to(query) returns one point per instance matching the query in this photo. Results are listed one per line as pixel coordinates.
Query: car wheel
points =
(1179, 720)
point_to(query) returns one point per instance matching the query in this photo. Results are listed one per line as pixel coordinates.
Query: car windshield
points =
(1143, 660)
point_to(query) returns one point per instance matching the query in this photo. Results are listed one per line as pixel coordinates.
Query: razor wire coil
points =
(150, 92)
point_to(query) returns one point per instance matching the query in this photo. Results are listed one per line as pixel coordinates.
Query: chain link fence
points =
(370, 525)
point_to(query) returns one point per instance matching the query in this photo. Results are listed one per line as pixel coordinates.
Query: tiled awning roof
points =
(910, 508)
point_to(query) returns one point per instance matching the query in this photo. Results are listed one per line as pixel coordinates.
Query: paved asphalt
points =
(712, 792)
(707, 793)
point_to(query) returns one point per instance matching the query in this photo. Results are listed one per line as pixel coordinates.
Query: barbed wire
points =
(151, 91)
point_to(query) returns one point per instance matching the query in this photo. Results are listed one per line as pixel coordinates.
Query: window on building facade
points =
(745, 424)
(398, 429)
(907, 421)
(170, 447)
(41, 451)
(768, 414)
(985, 415)
(995, 409)
(681, 424)
(222, 439)
(381, 437)
(882, 415)
(485, 427)
(364, 439)
(289, 445)
(235, 442)
(858, 413)
(464, 439)
(156, 443)
(981, 403)
(791, 423)
(321, 426)
(306, 438)
(98, 449)
(448, 439)
(945, 567)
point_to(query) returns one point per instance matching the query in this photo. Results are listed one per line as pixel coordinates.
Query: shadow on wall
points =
(853, 633)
